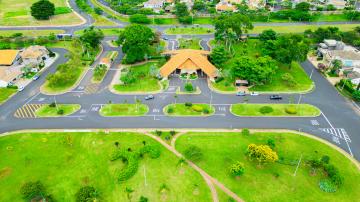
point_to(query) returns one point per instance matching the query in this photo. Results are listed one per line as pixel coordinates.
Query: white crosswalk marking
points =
(337, 132)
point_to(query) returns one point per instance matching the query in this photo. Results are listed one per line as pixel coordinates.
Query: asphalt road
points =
(338, 124)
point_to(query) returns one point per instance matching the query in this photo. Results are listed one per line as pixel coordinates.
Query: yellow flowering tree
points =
(262, 153)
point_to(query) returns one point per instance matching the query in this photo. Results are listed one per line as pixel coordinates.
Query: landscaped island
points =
(274, 110)
(124, 110)
(57, 110)
(189, 109)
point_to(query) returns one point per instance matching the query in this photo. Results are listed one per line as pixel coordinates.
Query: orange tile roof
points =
(188, 59)
(7, 57)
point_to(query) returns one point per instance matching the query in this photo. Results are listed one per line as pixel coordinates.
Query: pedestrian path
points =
(337, 132)
(92, 88)
(27, 111)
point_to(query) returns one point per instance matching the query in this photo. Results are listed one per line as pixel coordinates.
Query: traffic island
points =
(275, 110)
(57, 110)
(189, 109)
(111, 110)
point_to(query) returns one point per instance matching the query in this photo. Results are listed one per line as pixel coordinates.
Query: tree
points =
(31, 190)
(143, 199)
(42, 10)
(288, 79)
(256, 71)
(199, 5)
(335, 66)
(356, 94)
(237, 169)
(289, 48)
(86, 193)
(262, 153)
(268, 34)
(135, 40)
(303, 6)
(181, 11)
(139, 18)
(189, 87)
(219, 56)
(92, 37)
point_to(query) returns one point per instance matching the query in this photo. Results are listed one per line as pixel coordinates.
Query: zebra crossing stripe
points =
(337, 132)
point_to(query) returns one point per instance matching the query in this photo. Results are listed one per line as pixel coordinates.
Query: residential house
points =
(8, 57)
(9, 74)
(34, 55)
(156, 5)
(225, 6)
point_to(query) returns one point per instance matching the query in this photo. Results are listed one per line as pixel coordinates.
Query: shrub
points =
(193, 153)
(262, 153)
(206, 111)
(333, 174)
(245, 132)
(152, 150)
(158, 132)
(31, 190)
(237, 169)
(291, 110)
(132, 164)
(172, 132)
(143, 199)
(327, 186)
(197, 108)
(53, 104)
(188, 104)
(170, 110)
(325, 159)
(219, 79)
(86, 193)
(266, 109)
(189, 87)
(60, 112)
(271, 143)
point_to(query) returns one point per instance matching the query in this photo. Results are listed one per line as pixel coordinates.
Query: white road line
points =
(32, 98)
(333, 128)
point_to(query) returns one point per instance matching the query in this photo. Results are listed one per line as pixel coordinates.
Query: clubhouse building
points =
(188, 61)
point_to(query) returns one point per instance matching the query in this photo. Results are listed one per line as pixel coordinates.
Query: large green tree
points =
(42, 10)
(136, 40)
(219, 56)
(230, 27)
(289, 48)
(92, 37)
(255, 70)
(182, 12)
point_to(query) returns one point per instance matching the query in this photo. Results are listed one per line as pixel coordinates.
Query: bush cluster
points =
(86, 193)
(266, 109)
(193, 153)
(237, 169)
(197, 108)
(291, 110)
(188, 104)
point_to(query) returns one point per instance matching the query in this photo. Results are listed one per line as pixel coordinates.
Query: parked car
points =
(241, 93)
(165, 38)
(21, 88)
(149, 97)
(36, 77)
(254, 93)
(275, 97)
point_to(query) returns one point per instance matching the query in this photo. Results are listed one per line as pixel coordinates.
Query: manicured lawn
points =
(203, 20)
(30, 33)
(180, 109)
(189, 30)
(278, 110)
(107, 32)
(101, 20)
(224, 85)
(300, 28)
(272, 182)
(5, 93)
(47, 111)
(332, 18)
(144, 82)
(124, 110)
(17, 13)
(78, 64)
(109, 11)
(64, 162)
(192, 43)
(252, 48)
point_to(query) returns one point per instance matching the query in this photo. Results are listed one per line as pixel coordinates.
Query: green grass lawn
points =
(278, 110)
(109, 11)
(5, 93)
(30, 33)
(197, 109)
(272, 182)
(77, 62)
(17, 13)
(300, 28)
(64, 162)
(203, 20)
(124, 110)
(144, 82)
(189, 30)
(252, 48)
(47, 111)
(193, 43)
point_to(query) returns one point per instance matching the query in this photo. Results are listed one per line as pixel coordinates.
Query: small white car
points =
(254, 93)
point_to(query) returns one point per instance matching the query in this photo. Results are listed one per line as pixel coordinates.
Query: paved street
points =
(339, 122)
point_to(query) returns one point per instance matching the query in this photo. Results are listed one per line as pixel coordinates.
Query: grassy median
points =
(218, 151)
(57, 110)
(274, 110)
(189, 109)
(189, 30)
(124, 110)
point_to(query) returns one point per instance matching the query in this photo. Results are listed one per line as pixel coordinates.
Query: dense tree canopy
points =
(289, 48)
(42, 10)
(135, 40)
(255, 70)
(139, 18)
(219, 56)
(182, 12)
(236, 23)
(268, 34)
(92, 37)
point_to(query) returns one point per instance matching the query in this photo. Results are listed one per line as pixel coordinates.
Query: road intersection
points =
(339, 122)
